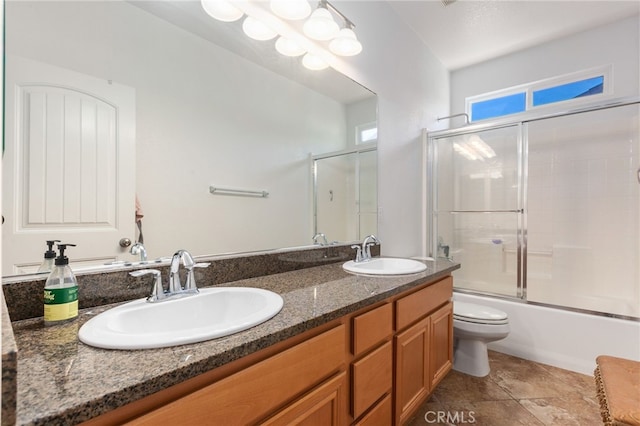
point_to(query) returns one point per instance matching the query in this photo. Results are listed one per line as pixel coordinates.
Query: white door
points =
(68, 165)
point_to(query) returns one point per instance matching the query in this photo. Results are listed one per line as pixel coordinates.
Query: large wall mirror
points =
(117, 108)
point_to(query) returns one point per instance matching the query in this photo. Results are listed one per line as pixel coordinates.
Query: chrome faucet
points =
(175, 286)
(363, 253)
(366, 246)
(138, 249)
(175, 290)
(324, 239)
(157, 290)
(358, 253)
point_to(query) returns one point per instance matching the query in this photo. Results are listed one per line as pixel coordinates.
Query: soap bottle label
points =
(60, 303)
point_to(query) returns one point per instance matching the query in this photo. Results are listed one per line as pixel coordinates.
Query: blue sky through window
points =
(498, 107)
(563, 92)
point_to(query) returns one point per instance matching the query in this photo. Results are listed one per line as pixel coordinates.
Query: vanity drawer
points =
(372, 378)
(379, 415)
(371, 328)
(255, 392)
(414, 306)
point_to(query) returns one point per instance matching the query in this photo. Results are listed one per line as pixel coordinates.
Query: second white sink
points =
(385, 266)
(214, 312)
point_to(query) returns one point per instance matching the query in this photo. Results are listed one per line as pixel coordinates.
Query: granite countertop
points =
(63, 381)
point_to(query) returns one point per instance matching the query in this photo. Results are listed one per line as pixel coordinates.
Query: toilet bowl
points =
(473, 327)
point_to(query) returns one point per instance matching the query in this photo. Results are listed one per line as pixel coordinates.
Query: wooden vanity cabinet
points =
(423, 349)
(372, 367)
(251, 395)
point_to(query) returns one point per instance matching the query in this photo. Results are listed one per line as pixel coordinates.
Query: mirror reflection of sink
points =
(214, 312)
(385, 266)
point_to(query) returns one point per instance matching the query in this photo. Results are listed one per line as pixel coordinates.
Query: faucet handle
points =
(358, 252)
(191, 279)
(157, 291)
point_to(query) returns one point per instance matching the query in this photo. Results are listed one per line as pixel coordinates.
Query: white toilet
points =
(473, 327)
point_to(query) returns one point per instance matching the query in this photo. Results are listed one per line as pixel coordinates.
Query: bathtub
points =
(561, 338)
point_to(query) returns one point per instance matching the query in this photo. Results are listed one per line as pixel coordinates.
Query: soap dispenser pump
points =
(60, 291)
(49, 256)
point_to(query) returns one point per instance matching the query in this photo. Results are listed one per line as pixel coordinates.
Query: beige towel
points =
(139, 213)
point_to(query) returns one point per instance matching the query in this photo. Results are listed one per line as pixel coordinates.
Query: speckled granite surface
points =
(62, 381)
(23, 295)
(9, 368)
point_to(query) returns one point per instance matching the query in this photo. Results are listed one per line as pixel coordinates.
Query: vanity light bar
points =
(261, 24)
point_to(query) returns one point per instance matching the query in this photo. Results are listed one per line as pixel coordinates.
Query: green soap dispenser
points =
(49, 255)
(60, 291)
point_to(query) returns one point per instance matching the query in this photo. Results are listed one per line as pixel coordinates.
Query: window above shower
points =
(570, 89)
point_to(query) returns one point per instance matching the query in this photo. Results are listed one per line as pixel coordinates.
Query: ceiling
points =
(465, 32)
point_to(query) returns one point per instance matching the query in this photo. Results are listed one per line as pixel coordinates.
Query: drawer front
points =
(253, 393)
(372, 378)
(414, 306)
(371, 328)
(379, 415)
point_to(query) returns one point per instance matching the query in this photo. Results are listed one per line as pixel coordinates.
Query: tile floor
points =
(516, 392)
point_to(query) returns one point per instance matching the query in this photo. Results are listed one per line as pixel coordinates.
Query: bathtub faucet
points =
(444, 248)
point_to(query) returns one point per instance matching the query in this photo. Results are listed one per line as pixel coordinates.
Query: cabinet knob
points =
(125, 242)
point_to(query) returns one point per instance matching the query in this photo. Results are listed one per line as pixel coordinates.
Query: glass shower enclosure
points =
(345, 194)
(546, 209)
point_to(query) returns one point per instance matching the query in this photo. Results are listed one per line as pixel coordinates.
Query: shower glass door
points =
(583, 211)
(477, 208)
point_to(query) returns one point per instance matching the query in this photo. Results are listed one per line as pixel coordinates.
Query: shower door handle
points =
(638, 175)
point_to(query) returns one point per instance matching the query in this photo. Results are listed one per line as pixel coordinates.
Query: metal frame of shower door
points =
(314, 170)
(521, 230)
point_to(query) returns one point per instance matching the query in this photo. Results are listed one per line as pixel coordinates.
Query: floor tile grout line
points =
(529, 411)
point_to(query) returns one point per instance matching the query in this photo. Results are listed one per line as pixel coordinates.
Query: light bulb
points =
(346, 44)
(221, 10)
(257, 30)
(288, 47)
(291, 9)
(320, 25)
(313, 62)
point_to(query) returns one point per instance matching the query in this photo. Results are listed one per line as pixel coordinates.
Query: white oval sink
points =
(214, 312)
(385, 266)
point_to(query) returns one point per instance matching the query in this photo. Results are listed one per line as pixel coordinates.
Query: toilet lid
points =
(477, 313)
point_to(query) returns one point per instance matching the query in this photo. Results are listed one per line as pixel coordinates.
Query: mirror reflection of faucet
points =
(322, 237)
(138, 249)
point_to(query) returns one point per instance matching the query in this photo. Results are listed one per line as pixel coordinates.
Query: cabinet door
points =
(441, 351)
(323, 406)
(412, 369)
